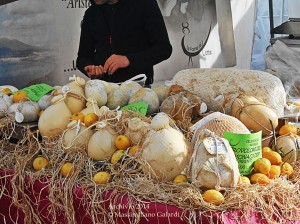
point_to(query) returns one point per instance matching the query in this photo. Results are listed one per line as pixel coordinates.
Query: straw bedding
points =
(276, 202)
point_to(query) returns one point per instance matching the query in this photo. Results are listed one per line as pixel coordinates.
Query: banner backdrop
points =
(39, 39)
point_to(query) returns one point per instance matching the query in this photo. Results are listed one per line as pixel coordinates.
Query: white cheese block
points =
(218, 86)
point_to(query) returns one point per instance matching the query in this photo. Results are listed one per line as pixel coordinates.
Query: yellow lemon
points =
(273, 157)
(262, 165)
(288, 128)
(6, 91)
(134, 149)
(20, 96)
(287, 169)
(40, 163)
(102, 178)
(274, 172)
(259, 178)
(213, 196)
(180, 179)
(244, 180)
(117, 156)
(90, 118)
(67, 169)
(265, 149)
(78, 117)
(122, 142)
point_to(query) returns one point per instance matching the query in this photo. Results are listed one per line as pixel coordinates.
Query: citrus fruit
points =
(287, 169)
(180, 179)
(274, 172)
(262, 165)
(259, 178)
(213, 196)
(20, 96)
(117, 156)
(67, 169)
(273, 157)
(244, 180)
(78, 117)
(134, 149)
(265, 149)
(90, 118)
(102, 178)
(40, 163)
(6, 91)
(122, 142)
(288, 128)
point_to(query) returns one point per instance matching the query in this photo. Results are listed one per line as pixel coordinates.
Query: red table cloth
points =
(151, 212)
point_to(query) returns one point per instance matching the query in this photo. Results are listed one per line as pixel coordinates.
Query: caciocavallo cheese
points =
(217, 87)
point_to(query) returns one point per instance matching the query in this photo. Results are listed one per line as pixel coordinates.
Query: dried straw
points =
(277, 202)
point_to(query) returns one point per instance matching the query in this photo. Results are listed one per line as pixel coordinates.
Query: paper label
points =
(247, 149)
(36, 92)
(215, 146)
(140, 107)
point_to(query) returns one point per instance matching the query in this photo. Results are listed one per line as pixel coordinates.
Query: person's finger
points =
(107, 64)
(113, 69)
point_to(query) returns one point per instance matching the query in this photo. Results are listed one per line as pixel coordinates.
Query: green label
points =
(247, 149)
(140, 107)
(35, 92)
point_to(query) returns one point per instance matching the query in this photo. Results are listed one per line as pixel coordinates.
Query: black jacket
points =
(134, 28)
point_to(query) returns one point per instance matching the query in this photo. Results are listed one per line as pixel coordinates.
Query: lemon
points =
(244, 180)
(117, 156)
(262, 165)
(102, 178)
(122, 142)
(180, 179)
(40, 163)
(67, 169)
(213, 196)
(287, 169)
(259, 178)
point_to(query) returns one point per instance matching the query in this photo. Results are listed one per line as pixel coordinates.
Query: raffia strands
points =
(276, 202)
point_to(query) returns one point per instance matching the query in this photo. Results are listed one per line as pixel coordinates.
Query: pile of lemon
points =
(270, 166)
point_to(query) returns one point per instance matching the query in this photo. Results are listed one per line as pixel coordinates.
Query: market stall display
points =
(136, 164)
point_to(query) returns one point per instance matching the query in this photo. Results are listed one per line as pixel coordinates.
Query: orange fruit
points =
(67, 169)
(273, 157)
(244, 180)
(90, 118)
(262, 165)
(20, 96)
(117, 156)
(78, 117)
(134, 149)
(265, 149)
(180, 179)
(213, 196)
(274, 172)
(259, 178)
(288, 128)
(286, 169)
(102, 178)
(40, 163)
(122, 142)
(6, 91)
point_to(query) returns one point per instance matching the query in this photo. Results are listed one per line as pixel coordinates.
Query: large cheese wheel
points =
(217, 86)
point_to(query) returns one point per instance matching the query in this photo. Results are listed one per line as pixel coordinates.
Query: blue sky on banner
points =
(28, 21)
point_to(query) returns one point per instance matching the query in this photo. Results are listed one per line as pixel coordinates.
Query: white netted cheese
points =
(216, 86)
(218, 123)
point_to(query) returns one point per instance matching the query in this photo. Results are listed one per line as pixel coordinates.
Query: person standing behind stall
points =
(121, 39)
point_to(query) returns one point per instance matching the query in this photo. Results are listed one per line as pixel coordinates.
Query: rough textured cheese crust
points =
(210, 83)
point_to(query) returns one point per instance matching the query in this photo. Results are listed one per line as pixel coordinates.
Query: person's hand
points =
(114, 62)
(93, 70)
